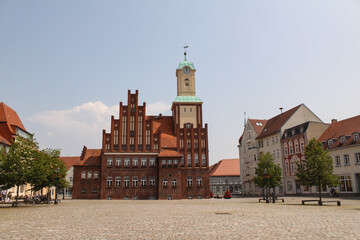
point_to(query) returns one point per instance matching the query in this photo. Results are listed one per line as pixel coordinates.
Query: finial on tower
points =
(185, 47)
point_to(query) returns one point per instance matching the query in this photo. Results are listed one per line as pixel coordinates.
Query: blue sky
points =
(66, 65)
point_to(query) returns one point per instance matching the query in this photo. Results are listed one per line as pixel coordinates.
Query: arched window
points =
(286, 149)
(291, 150)
(186, 82)
(296, 146)
(83, 175)
(89, 175)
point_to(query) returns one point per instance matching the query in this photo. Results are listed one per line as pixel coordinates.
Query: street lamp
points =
(57, 179)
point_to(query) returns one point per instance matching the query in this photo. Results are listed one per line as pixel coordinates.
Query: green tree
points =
(267, 173)
(15, 163)
(47, 170)
(317, 168)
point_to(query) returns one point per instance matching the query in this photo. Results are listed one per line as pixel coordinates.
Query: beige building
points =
(249, 153)
(342, 139)
(268, 141)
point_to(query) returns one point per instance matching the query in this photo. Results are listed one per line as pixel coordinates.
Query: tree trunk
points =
(320, 192)
(17, 194)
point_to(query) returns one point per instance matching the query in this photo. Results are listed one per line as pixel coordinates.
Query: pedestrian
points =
(9, 195)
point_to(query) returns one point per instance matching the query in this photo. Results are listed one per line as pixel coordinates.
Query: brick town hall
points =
(150, 157)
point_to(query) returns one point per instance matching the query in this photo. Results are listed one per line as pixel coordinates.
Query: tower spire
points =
(185, 47)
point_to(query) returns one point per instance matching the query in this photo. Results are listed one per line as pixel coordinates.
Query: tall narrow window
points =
(135, 181)
(186, 82)
(152, 181)
(126, 181)
(203, 159)
(109, 181)
(140, 128)
(189, 159)
(132, 123)
(143, 181)
(196, 159)
(117, 181)
(147, 137)
(181, 143)
(123, 136)
(189, 181)
(198, 181)
(116, 136)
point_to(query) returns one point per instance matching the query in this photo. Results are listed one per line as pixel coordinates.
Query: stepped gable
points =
(274, 124)
(337, 129)
(226, 167)
(90, 157)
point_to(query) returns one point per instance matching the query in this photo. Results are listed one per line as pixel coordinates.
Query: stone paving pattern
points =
(237, 218)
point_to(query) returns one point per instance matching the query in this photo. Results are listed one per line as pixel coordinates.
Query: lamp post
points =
(56, 187)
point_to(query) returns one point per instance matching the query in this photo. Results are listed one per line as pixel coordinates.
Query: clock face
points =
(186, 70)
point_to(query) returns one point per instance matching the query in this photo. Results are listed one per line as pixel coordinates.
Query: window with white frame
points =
(117, 181)
(89, 175)
(96, 175)
(169, 162)
(296, 146)
(356, 137)
(127, 162)
(198, 181)
(342, 139)
(143, 162)
(346, 160)
(152, 181)
(189, 181)
(118, 162)
(203, 159)
(163, 162)
(291, 150)
(143, 181)
(286, 149)
(83, 175)
(135, 181)
(302, 147)
(165, 182)
(330, 142)
(174, 182)
(189, 159)
(176, 162)
(109, 162)
(135, 162)
(337, 161)
(109, 181)
(357, 158)
(126, 181)
(152, 162)
(287, 167)
(345, 183)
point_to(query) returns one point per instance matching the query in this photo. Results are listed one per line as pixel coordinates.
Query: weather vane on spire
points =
(185, 47)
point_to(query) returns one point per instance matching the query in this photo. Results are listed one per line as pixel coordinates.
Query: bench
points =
(320, 202)
(270, 200)
(13, 204)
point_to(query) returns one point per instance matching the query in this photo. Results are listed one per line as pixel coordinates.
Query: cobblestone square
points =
(238, 218)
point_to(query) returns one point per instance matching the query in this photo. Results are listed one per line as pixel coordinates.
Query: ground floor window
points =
(152, 181)
(345, 183)
(199, 197)
(190, 197)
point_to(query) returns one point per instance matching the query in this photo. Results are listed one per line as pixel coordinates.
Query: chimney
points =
(333, 121)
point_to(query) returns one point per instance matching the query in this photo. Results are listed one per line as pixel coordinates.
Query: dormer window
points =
(342, 139)
(356, 137)
(330, 142)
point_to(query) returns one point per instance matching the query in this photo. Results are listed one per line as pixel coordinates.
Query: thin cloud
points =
(70, 129)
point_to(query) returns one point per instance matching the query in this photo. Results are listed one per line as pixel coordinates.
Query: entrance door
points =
(297, 183)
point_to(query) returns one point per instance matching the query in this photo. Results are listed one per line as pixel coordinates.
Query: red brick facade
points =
(147, 157)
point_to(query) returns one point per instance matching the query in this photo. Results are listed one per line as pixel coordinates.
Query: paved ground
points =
(241, 218)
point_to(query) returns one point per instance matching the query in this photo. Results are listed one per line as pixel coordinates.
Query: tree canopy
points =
(267, 173)
(24, 163)
(317, 168)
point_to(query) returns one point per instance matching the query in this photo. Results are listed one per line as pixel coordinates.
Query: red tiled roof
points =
(163, 124)
(226, 167)
(70, 161)
(169, 153)
(168, 141)
(258, 124)
(274, 124)
(342, 128)
(3, 140)
(9, 116)
(91, 157)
